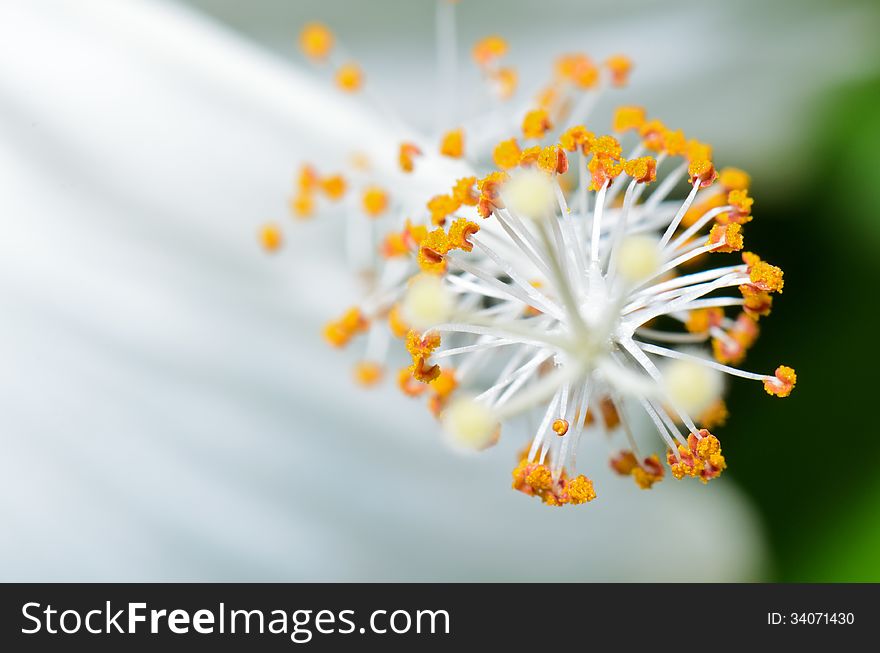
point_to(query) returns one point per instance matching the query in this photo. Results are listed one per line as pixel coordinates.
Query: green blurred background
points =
(811, 464)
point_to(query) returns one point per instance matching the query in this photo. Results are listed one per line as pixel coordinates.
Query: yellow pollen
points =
(316, 41)
(441, 206)
(560, 427)
(536, 123)
(580, 490)
(552, 160)
(715, 415)
(459, 233)
(307, 179)
(406, 156)
(432, 251)
(333, 186)
(703, 171)
(444, 384)
(734, 179)
(506, 80)
(349, 77)
(396, 323)
(487, 50)
(540, 478)
(766, 277)
(577, 137)
(728, 238)
(619, 66)
(701, 319)
(339, 333)
(374, 201)
(507, 154)
(463, 191)
(270, 237)
(302, 205)
(577, 69)
(643, 169)
(367, 373)
(626, 118)
(783, 383)
(452, 144)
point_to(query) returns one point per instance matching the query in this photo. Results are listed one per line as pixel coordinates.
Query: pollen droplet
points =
(270, 237)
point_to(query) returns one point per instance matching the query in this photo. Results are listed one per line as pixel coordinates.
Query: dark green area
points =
(811, 461)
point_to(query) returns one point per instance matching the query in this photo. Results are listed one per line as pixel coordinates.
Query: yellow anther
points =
(396, 323)
(421, 348)
(728, 351)
(742, 206)
(441, 207)
(459, 233)
(766, 277)
(553, 160)
(445, 384)
(349, 77)
(402, 243)
(367, 373)
(626, 118)
(548, 97)
(649, 472)
(540, 478)
(270, 237)
(302, 205)
(702, 171)
(624, 463)
(333, 186)
(490, 193)
(580, 490)
(715, 415)
(505, 80)
(340, 332)
(620, 67)
(642, 169)
(316, 41)
(463, 191)
(700, 320)
(577, 69)
(374, 201)
(674, 142)
(696, 151)
(728, 238)
(708, 446)
(307, 179)
(530, 156)
(406, 156)
(607, 146)
(757, 302)
(507, 154)
(408, 385)
(432, 251)
(577, 137)
(452, 144)
(782, 383)
(602, 170)
(560, 427)
(653, 135)
(734, 179)
(536, 123)
(701, 458)
(487, 50)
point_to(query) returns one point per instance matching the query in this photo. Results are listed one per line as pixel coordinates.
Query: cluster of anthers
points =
(563, 286)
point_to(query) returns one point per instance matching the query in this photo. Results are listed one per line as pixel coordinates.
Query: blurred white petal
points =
(168, 410)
